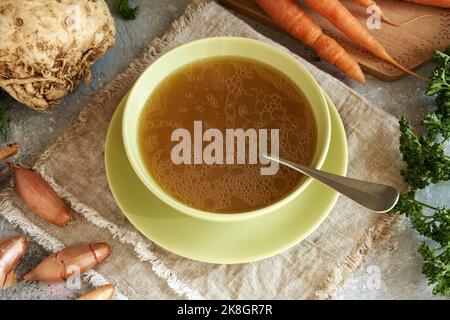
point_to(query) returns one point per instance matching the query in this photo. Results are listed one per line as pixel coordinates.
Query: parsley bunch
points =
(426, 162)
(129, 13)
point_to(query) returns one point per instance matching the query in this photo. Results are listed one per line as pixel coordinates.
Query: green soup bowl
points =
(216, 48)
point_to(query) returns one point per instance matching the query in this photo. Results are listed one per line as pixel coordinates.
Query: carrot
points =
(434, 3)
(295, 21)
(342, 19)
(371, 3)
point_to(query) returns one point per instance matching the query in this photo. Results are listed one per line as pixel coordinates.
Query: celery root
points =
(47, 47)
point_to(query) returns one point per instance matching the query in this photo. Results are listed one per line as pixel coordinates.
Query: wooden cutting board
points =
(411, 45)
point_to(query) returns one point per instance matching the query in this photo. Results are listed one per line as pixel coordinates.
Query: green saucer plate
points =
(221, 242)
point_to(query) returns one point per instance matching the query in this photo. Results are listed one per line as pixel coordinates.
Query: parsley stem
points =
(427, 206)
(441, 249)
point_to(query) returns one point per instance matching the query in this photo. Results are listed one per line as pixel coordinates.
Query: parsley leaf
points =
(436, 125)
(440, 84)
(436, 267)
(425, 158)
(128, 12)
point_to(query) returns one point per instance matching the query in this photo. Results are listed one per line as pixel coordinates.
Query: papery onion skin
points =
(60, 266)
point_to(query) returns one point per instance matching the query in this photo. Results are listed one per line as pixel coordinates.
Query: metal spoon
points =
(374, 196)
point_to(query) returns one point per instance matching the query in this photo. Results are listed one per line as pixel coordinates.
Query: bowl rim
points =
(137, 163)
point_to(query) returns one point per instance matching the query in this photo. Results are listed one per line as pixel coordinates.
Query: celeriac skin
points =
(47, 46)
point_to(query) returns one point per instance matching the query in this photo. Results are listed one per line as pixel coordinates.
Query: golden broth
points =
(226, 93)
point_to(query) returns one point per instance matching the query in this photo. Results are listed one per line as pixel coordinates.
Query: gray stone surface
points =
(394, 270)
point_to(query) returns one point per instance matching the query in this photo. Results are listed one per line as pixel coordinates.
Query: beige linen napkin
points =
(315, 268)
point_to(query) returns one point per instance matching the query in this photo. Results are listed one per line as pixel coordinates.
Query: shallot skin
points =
(105, 292)
(61, 265)
(37, 194)
(10, 281)
(11, 250)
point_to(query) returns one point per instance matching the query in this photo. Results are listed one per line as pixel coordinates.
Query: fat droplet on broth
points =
(226, 93)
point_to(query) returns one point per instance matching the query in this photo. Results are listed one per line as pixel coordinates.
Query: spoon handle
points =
(374, 196)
